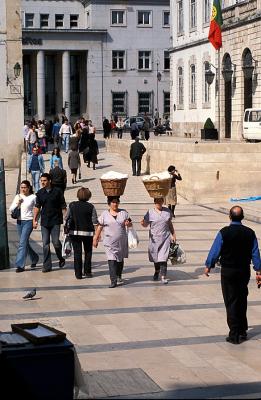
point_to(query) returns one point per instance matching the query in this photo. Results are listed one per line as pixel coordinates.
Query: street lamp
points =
(209, 76)
(158, 80)
(17, 71)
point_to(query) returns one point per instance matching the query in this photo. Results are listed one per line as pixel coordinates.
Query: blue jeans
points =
(66, 139)
(24, 229)
(36, 180)
(49, 232)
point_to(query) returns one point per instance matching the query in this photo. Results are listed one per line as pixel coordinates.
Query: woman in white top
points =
(26, 201)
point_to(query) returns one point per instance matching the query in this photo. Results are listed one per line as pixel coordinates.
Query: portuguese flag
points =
(214, 34)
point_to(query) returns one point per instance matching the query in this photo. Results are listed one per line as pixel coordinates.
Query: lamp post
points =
(209, 76)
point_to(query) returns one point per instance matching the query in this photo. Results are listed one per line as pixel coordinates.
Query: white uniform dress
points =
(115, 239)
(159, 234)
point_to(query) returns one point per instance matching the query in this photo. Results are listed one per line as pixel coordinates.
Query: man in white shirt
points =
(65, 132)
(25, 133)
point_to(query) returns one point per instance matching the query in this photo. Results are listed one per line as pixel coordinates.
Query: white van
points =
(252, 124)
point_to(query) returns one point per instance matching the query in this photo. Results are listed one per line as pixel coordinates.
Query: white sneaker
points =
(164, 280)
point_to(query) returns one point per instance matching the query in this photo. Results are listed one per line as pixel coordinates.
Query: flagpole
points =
(218, 95)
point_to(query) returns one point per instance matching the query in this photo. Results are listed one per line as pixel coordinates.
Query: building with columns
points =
(11, 82)
(95, 58)
(192, 99)
(240, 84)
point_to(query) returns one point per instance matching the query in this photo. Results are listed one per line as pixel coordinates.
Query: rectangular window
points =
(180, 86)
(29, 20)
(74, 20)
(44, 20)
(59, 20)
(118, 58)
(117, 17)
(166, 103)
(144, 18)
(193, 14)
(145, 102)
(166, 60)
(145, 60)
(206, 11)
(206, 86)
(180, 17)
(119, 103)
(192, 84)
(166, 18)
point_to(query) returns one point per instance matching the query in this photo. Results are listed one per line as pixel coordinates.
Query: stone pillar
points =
(66, 83)
(40, 85)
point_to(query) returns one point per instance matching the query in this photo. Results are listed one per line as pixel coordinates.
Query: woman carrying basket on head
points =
(161, 234)
(115, 239)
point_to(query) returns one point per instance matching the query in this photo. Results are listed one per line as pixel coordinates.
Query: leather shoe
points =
(19, 270)
(113, 285)
(243, 336)
(46, 270)
(232, 339)
(62, 263)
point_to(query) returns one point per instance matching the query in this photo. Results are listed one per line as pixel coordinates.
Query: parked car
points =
(252, 124)
(139, 120)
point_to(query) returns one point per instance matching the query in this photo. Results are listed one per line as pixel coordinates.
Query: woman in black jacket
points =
(91, 151)
(80, 223)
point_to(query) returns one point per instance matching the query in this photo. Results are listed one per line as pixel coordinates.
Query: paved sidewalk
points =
(143, 339)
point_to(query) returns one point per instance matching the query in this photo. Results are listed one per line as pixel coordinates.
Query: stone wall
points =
(211, 172)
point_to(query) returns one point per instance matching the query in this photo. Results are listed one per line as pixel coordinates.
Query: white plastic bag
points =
(66, 246)
(133, 239)
(179, 257)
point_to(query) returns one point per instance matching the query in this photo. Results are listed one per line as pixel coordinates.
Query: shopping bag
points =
(66, 246)
(176, 254)
(133, 239)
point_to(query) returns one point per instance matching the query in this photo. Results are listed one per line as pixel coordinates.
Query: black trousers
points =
(235, 292)
(136, 166)
(115, 268)
(147, 135)
(161, 267)
(119, 132)
(77, 242)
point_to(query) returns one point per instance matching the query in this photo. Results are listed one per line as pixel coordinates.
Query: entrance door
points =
(248, 101)
(228, 109)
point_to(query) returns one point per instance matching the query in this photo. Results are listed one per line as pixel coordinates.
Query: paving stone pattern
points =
(173, 334)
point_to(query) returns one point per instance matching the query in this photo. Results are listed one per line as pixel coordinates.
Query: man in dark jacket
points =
(235, 245)
(137, 150)
(58, 176)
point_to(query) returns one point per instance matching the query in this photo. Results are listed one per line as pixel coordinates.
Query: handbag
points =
(69, 222)
(176, 254)
(66, 246)
(16, 213)
(133, 239)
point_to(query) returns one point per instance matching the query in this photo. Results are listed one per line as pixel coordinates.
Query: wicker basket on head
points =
(157, 187)
(113, 187)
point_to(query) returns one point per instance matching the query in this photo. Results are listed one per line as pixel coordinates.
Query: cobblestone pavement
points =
(172, 336)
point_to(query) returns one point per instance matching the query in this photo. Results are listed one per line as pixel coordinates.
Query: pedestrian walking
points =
(115, 240)
(31, 138)
(119, 127)
(51, 204)
(25, 134)
(235, 245)
(137, 150)
(58, 176)
(161, 234)
(35, 167)
(146, 127)
(41, 133)
(74, 162)
(134, 129)
(26, 201)
(106, 128)
(84, 139)
(57, 140)
(113, 128)
(56, 156)
(91, 152)
(92, 129)
(171, 198)
(65, 133)
(81, 222)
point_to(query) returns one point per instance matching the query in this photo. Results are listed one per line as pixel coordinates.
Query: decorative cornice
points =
(42, 31)
(188, 45)
(241, 22)
(128, 2)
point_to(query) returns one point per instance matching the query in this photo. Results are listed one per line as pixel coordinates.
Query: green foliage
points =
(209, 124)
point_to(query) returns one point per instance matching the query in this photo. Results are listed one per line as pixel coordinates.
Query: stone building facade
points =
(11, 87)
(192, 99)
(96, 58)
(241, 54)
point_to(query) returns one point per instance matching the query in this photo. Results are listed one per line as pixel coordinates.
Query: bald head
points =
(236, 214)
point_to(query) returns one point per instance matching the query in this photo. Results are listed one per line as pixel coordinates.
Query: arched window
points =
(180, 86)
(192, 84)
(248, 68)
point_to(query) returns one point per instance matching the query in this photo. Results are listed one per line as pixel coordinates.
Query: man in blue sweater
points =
(235, 246)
